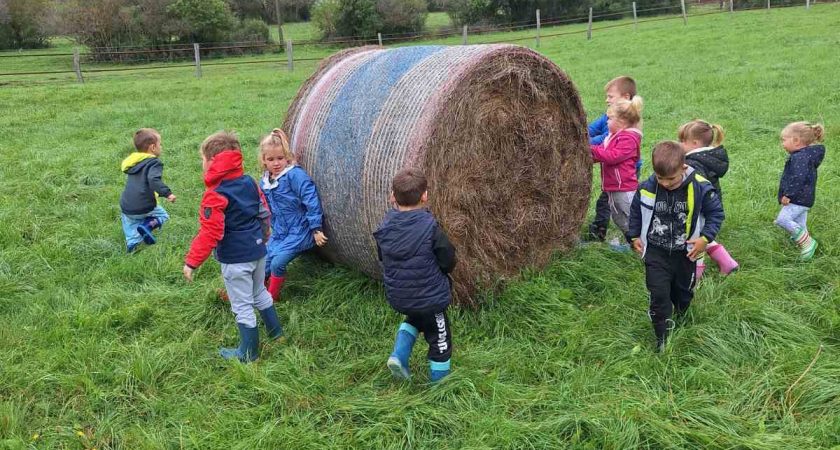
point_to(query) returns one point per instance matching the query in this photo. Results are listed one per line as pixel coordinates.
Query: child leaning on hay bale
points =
(798, 186)
(619, 88)
(675, 214)
(296, 215)
(141, 214)
(234, 220)
(416, 258)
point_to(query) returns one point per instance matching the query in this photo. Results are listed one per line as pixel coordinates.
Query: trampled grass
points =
(99, 349)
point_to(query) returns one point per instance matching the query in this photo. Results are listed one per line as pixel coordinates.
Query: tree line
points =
(159, 24)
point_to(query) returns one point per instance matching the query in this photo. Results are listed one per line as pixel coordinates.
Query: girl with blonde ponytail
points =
(703, 145)
(798, 187)
(618, 155)
(296, 215)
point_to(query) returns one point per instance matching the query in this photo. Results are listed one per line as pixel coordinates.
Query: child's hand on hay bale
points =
(320, 238)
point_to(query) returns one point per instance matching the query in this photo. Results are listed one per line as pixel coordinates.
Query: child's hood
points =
(225, 165)
(813, 153)
(135, 162)
(712, 158)
(403, 232)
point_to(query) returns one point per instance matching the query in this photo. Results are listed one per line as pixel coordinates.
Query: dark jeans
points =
(435, 329)
(602, 211)
(670, 279)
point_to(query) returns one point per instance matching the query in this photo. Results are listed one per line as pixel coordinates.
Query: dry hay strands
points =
(498, 129)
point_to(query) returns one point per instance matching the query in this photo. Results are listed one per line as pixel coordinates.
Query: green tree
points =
(204, 20)
(22, 23)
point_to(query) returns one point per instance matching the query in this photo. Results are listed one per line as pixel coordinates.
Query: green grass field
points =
(103, 350)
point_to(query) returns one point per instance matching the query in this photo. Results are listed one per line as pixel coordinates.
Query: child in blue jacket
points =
(296, 215)
(798, 186)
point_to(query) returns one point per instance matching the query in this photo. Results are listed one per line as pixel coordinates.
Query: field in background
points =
(99, 349)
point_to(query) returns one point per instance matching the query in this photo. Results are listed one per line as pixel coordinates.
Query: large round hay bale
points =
(499, 130)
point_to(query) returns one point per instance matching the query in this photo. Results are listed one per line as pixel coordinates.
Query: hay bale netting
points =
(499, 130)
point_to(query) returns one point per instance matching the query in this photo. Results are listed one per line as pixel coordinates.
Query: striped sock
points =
(802, 238)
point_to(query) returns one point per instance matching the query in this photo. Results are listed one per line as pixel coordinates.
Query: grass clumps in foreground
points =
(99, 349)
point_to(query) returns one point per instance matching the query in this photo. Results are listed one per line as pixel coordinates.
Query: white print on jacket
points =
(669, 233)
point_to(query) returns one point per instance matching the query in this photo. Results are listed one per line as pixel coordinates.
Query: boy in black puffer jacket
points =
(704, 152)
(416, 258)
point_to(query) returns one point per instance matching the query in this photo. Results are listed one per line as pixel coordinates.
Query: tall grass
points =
(100, 349)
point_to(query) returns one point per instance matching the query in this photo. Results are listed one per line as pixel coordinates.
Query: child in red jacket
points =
(234, 220)
(618, 155)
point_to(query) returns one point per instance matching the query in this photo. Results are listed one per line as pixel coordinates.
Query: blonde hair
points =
(624, 84)
(807, 132)
(628, 111)
(709, 134)
(219, 142)
(276, 140)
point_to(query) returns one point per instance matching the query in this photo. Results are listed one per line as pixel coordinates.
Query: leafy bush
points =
(402, 16)
(205, 20)
(251, 30)
(21, 24)
(358, 18)
(470, 12)
(325, 16)
(365, 18)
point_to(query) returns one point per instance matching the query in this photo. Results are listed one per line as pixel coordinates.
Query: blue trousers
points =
(277, 262)
(130, 222)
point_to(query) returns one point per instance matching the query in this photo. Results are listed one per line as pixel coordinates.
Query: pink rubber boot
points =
(724, 261)
(698, 271)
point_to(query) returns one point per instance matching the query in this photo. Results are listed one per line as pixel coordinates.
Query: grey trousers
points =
(620, 209)
(246, 289)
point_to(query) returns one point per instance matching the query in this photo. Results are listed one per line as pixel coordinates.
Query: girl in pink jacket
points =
(618, 155)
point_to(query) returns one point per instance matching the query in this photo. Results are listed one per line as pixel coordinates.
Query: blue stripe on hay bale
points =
(348, 127)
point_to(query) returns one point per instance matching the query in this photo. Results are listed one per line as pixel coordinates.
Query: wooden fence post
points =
(589, 30)
(635, 21)
(464, 36)
(685, 20)
(379, 37)
(731, 6)
(807, 4)
(77, 65)
(289, 55)
(197, 60)
(538, 28)
(279, 22)
(768, 5)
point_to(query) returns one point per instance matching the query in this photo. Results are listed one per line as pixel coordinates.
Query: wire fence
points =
(183, 52)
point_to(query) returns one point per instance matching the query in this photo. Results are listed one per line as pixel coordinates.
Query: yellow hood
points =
(135, 158)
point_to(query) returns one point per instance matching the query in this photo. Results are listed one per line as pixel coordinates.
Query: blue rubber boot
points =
(398, 361)
(272, 322)
(249, 345)
(438, 370)
(145, 229)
